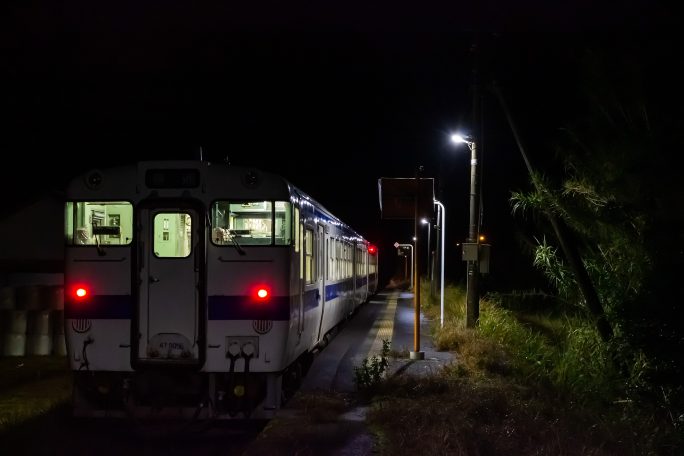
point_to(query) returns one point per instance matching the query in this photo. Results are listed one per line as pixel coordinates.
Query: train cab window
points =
(252, 223)
(98, 223)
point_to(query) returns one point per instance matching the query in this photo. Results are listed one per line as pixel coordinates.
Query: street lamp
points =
(472, 298)
(425, 221)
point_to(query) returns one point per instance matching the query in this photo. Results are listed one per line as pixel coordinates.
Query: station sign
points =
(399, 196)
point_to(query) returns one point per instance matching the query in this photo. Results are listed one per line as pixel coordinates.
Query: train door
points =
(299, 250)
(365, 274)
(170, 298)
(355, 272)
(321, 270)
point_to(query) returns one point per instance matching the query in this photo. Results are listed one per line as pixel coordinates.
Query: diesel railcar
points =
(195, 289)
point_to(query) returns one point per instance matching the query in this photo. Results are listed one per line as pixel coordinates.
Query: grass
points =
(525, 384)
(17, 370)
(310, 426)
(31, 387)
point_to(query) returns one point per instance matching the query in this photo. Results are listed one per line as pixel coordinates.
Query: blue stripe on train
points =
(335, 290)
(120, 307)
(115, 307)
(247, 308)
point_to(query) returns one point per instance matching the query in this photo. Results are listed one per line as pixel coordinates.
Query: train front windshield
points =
(99, 223)
(251, 222)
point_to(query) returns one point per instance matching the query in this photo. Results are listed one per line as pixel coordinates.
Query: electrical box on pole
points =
(472, 251)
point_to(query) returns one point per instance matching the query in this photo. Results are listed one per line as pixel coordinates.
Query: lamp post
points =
(441, 223)
(425, 221)
(472, 294)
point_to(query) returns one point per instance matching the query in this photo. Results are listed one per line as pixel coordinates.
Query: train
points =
(201, 290)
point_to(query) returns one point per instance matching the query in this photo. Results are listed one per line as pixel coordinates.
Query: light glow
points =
(457, 139)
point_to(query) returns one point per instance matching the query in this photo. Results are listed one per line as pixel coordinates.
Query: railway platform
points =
(403, 342)
(387, 316)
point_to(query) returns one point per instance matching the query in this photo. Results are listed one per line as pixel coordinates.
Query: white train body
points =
(197, 289)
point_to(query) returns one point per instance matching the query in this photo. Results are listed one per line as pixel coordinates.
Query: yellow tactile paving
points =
(384, 325)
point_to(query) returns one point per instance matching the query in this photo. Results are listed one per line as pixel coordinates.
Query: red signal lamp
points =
(372, 249)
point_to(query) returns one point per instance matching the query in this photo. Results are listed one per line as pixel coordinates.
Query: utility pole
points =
(416, 353)
(472, 290)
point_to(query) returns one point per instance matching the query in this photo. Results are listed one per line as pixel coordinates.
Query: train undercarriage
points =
(172, 393)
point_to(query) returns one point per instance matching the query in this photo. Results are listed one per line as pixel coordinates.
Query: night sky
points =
(330, 97)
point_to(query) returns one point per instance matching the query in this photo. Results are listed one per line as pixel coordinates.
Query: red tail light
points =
(372, 249)
(261, 293)
(80, 292)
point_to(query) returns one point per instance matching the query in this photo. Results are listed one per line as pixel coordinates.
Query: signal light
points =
(372, 249)
(262, 293)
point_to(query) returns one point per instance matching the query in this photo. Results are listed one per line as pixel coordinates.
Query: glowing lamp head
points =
(460, 139)
(372, 249)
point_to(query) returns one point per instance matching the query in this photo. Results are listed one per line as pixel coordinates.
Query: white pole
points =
(441, 216)
(412, 278)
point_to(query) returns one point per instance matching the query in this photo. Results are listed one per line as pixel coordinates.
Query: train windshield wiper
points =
(106, 230)
(239, 248)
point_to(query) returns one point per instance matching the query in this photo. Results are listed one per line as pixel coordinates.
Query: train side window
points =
(345, 272)
(329, 260)
(336, 259)
(347, 260)
(98, 222)
(298, 227)
(309, 256)
(301, 251)
(338, 268)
